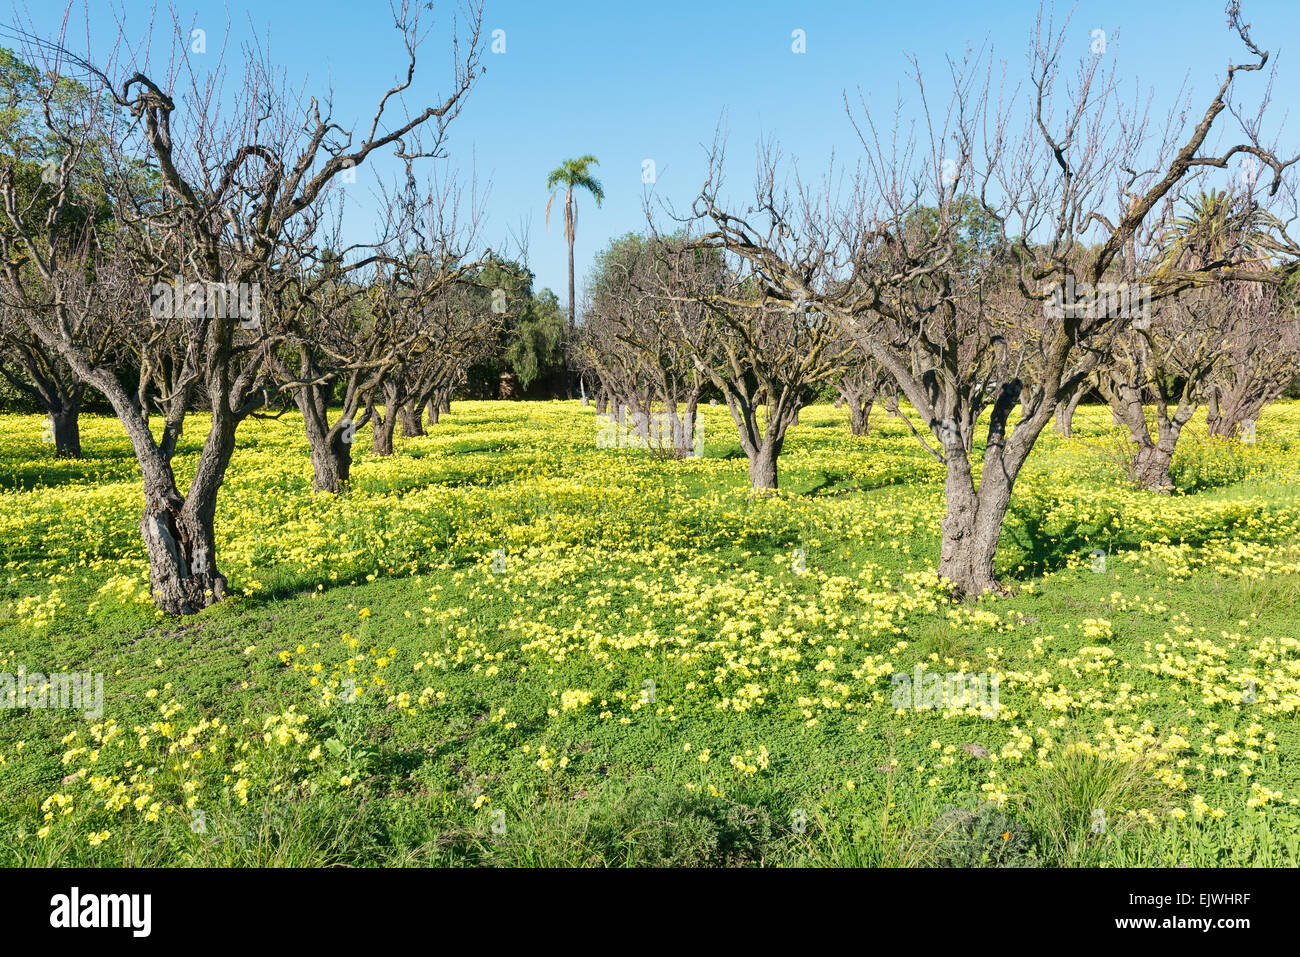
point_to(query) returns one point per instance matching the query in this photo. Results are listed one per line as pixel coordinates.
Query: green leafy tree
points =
(537, 347)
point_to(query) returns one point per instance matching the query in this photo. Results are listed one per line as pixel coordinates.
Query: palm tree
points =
(1220, 228)
(572, 174)
(1230, 231)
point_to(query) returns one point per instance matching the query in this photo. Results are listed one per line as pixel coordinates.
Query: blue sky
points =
(631, 82)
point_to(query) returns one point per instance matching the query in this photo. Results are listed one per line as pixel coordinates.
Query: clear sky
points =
(631, 82)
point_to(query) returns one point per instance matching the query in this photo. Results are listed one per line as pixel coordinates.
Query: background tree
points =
(335, 347)
(537, 346)
(522, 341)
(571, 175)
(765, 353)
(1259, 358)
(860, 380)
(1255, 344)
(1163, 363)
(1166, 362)
(31, 153)
(635, 355)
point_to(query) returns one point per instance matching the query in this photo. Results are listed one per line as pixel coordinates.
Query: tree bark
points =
(331, 455)
(41, 380)
(1065, 415)
(762, 468)
(332, 465)
(1151, 466)
(181, 546)
(1214, 422)
(331, 446)
(409, 416)
(762, 448)
(179, 532)
(1155, 454)
(973, 523)
(66, 427)
(1229, 410)
(381, 439)
(971, 527)
(859, 416)
(858, 390)
(687, 437)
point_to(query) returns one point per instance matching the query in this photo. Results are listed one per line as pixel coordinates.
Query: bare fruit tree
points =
(46, 380)
(434, 326)
(1167, 361)
(1260, 356)
(1163, 363)
(36, 155)
(860, 381)
(765, 353)
(332, 350)
(636, 356)
(957, 235)
(238, 181)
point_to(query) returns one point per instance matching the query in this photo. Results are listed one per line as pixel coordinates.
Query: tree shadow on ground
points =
(1039, 552)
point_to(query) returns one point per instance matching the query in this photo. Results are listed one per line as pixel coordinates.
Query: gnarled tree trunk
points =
(971, 528)
(179, 531)
(762, 468)
(66, 430)
(181, 546)
(331, 462)
(1065, 414)
(381, 439)
(1229, 410)
(762, 448)
(687, 438)
(39, 376)
(1151, 465)
(972, 524)
(859, 414)
(331, 451)
(331, 446)
(1154, 454)
(409, 416)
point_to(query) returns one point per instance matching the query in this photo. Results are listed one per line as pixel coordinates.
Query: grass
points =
(382, 690)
